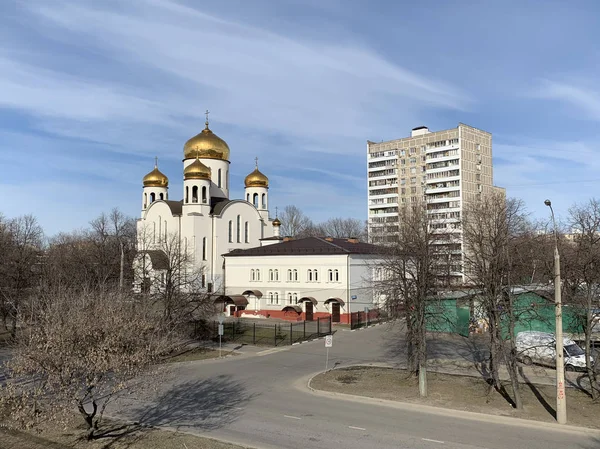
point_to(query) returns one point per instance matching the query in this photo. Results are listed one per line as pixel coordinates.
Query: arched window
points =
(152, 197)
(195, 194)
(219, 178)
(295, 298)
(336, 275)
(258, 275)
(230, 231)
(309, 275)
(204, 194)
(271, 278)
(252, 275)
(289, 298)
(145, 200)
(264, 200)
(161, 196)
(239, 229)
(276, 275)
(248, 197)
(203, 248)
(295, 275)
(271, 297)
(159, 228)
(226, 179)
(255, 200)
(276, 298)
(246, 234)
(315, 275)
(330, 275)
(187, 194)
(289, 275)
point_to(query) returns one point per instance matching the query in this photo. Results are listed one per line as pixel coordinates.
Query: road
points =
(260, 399)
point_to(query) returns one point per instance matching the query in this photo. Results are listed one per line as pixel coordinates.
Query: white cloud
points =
(586, 100)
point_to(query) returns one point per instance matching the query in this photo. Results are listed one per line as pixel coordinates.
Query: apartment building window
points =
(403, 191)
(402, 153)
(403, 171)
(413, 150)
(402, 161)
(413, 180)
(413, 190)
(413, 170)
(413, 160)
(478, 176)
(423, 149)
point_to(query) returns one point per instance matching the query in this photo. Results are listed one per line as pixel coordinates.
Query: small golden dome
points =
(155, 178)
(196, 170)
(256, 179)
(276, 222)
(206, 145)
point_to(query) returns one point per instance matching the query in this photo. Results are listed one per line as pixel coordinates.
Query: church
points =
(206, 223)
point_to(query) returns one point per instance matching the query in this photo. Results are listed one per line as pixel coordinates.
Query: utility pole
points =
(561, 399)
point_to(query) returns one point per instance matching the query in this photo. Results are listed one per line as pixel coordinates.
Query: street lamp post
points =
(561, 399)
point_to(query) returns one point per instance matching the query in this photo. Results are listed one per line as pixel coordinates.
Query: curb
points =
(448, 412)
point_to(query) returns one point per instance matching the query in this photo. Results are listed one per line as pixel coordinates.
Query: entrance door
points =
(309, 311)
(335, 312)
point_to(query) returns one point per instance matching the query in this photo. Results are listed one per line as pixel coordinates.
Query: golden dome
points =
(155, 178)
(256, 179)
(196, 170)
(206, 145)
(276, 222)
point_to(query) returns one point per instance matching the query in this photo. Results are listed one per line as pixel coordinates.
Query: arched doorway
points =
(335, 308)
(309, 305)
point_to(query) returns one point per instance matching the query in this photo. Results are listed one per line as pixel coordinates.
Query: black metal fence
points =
(365, 319)
(268, 334)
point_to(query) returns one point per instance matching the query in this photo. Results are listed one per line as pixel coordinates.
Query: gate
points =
(309, 311)
(335, 312)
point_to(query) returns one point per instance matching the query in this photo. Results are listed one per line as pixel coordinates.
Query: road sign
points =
(329, 341)
(220, 329)
(221, 318)
(353, 297)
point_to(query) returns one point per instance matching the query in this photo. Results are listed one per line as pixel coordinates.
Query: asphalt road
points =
(260, 399)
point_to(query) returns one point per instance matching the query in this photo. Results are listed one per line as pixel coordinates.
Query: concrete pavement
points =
(260, 399)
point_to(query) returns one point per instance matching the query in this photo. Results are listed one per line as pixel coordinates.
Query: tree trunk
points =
(89, 419)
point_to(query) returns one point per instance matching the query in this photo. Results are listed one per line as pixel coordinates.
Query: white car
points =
(540, 347)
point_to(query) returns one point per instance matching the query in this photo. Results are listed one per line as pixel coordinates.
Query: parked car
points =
(540, 347)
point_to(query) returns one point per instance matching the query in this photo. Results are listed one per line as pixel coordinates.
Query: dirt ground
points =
(458, 392)
(115, 436)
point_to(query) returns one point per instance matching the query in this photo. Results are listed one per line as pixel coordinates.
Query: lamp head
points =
(548, 203)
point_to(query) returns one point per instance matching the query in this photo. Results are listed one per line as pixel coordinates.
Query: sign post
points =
(328, 344)
(221, 319)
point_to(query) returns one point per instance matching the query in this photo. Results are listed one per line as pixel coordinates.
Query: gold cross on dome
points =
(276, 211)
(256, 161)
(206, 113)
(156, 161)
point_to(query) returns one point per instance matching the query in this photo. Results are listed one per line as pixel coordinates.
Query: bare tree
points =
(294, 222)
(343, 228)
(22, 241)
(581, 275)
(408, 278)
(82, 351)
(490, 225)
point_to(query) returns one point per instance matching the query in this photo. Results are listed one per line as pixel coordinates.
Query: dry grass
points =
(197, 354)
(458, 392)
(113, 435)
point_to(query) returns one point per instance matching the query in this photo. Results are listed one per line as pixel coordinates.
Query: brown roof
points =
(175, 206)
(158, 258)
(309, 246)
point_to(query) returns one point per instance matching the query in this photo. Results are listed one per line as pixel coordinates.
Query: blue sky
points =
(91, 91)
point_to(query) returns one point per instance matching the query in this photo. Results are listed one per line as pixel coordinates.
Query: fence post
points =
(367, 319)
(330, 325)
(291, 339)
(318, 328)
(233, 330)
(254, 334)
(304, 338)
(275, 334)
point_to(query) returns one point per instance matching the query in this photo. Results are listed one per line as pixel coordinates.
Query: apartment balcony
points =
(431, 189)
(443, 179)
(442, 200)
(382, 205)
(431, 160)
(444, 168)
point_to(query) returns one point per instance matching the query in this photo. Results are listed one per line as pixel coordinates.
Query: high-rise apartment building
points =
(444, 169)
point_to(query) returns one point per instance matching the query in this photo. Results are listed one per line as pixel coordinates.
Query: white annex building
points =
(206, 222)
(299, 279)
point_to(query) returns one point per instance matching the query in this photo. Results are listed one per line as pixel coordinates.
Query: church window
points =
(264, 200)
(309, 276)
(239, 231)
(187, 194)
(289, 297)
(165, 230)
(295, 298)
(252, 275)
(152, 197)
(195, 194)
(315, 275)
(159, 228)
(271, 276)
(336, 275)
(154, 232)
(276, 275)
(289, 275)
(161, 196)
(271, 297)
(145, 200)
(277, 298)
(219, 178)
(248, 197)
(204, 194)
(203, 280)
(230, 231)
(295, 272)
(258, 275)
(330, 275)
(255, 200)
(246, 234)
(203, 248)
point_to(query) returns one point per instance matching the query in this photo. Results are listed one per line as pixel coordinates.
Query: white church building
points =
(206, 223)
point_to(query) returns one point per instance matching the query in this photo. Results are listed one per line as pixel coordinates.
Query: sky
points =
(91, 92)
